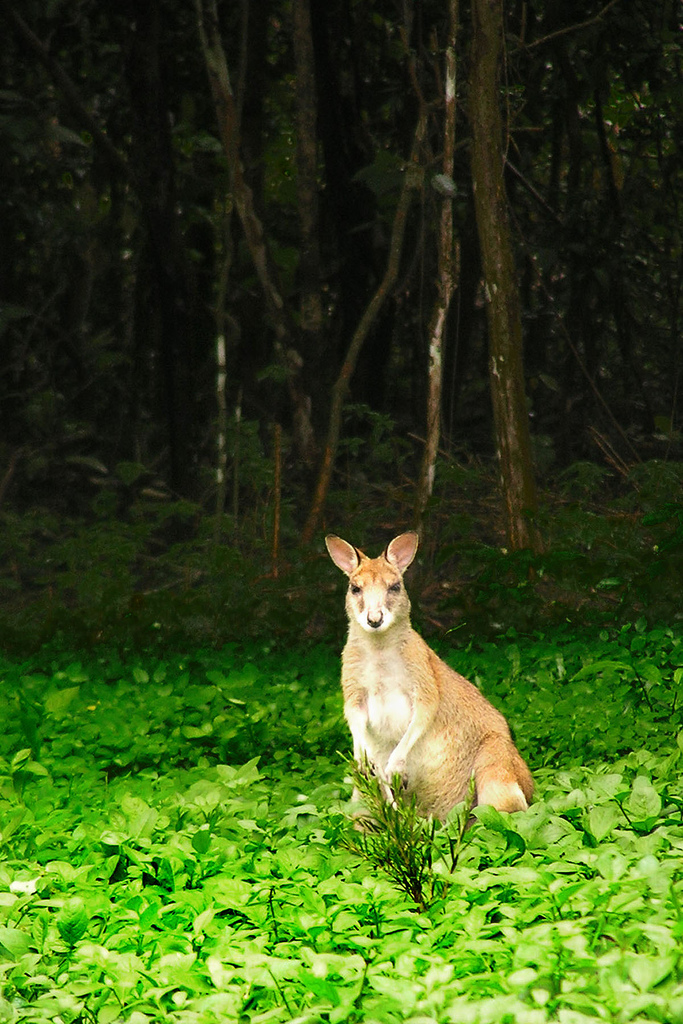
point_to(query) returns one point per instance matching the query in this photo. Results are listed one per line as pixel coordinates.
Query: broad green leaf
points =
(216, 676)
(202, 921)
(491, 818)
(611, 863)
(643, 801)
(75, 673)
(141, 817)
(201, 840)
(595, 668)
(14, 941)
(34, 768)
(21, 758)
(321, 987)
(194, 732)
(648, 971)
(72, 921)
(603, 818)
(605, 785)
(57, 702)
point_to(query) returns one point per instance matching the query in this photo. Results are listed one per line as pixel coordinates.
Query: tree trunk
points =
(447, 272)
(167, 313)
(228, 124)
(310, 306)
(506, 370)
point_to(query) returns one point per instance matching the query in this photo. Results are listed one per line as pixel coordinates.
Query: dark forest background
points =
(222, 226)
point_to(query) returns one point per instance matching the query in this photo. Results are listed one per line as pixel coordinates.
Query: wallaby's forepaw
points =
(393, 782)
(394, 768)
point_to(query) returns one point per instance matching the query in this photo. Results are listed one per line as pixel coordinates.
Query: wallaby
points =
(409, 713)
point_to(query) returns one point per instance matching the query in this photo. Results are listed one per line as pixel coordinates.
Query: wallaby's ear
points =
(344, 555)
(401, 551)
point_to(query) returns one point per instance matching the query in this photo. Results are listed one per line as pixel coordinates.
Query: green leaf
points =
(14, 942)
(201, 840)
(21, 758)
(595, 668)
(141, 817)
(58, 701)
(129, 472)
(644, 800)
(72, 921)
(603, 818)
(320, 987)
(648, 971)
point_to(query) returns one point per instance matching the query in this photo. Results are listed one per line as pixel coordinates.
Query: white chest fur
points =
(389, 693)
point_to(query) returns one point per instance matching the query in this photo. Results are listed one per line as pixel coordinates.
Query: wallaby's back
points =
(409, 713)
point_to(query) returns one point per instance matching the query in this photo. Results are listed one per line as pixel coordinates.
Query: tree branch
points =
(533, 191)
(569, 28)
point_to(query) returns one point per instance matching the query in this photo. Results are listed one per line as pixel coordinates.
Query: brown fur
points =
(409, 713)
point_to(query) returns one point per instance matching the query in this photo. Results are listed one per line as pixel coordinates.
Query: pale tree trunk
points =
(223, 249)
(446, 280)
(229, 129)
(506, 371)
(412, 178)
(221, 436)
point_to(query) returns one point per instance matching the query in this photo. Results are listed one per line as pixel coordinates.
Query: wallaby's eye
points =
(394, 588)
(355, 589)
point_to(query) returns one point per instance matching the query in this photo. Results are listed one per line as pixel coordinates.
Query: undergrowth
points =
(174, 843)
(139, 569)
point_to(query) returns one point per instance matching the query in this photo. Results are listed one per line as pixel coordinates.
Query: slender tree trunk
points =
(228, 124)
(223, 250)
(412, 178)
(447, 272)
(311, 316)
(221, 436)
(307, 171)
(169, 313)
(506, 370)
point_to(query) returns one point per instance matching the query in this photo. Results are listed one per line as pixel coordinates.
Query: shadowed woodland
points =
(275, 268)
(271, 269)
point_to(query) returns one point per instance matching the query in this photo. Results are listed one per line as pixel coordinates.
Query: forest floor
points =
(175, 843)
(166, 573)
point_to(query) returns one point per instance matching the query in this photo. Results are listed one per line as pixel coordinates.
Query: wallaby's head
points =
(376, 598)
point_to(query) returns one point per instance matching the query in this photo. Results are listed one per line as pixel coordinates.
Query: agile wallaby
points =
(408, 712)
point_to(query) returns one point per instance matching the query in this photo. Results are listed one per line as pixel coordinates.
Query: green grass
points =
(173, 845)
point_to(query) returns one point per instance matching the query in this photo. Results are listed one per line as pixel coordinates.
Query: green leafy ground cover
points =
(172, 845)
(129, 568)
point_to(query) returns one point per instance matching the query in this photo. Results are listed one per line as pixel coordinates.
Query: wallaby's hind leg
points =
(501, 777)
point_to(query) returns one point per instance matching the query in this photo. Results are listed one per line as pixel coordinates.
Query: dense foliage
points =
(157, 576)
(123, 256)
(140, 498)
(173, 845)
(174, 836)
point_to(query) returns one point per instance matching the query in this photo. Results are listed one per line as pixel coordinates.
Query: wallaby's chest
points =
(382, 680)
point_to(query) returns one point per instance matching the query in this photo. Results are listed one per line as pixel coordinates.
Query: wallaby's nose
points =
(377, 621)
